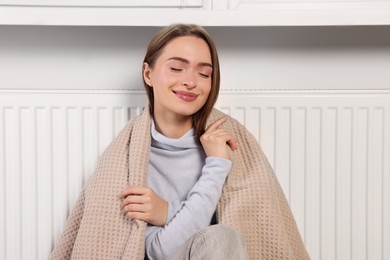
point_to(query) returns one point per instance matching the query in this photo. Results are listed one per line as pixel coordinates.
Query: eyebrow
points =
(188, 62)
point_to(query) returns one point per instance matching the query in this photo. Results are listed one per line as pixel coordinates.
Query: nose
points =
(189, 81)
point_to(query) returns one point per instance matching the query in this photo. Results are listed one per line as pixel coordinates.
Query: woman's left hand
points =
(144, 204)
(216, 140)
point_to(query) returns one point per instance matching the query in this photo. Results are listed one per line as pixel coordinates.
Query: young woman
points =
(185, 180)
(192, 182)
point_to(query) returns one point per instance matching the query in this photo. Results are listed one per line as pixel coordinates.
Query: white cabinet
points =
(261, 5)
(203, 12)
(309, 12)
(105, 3)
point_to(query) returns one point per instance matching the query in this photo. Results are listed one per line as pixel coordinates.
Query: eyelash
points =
(178, 70)
(204, 75)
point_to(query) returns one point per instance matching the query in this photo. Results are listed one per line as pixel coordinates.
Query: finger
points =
(136, 215)
(216, 124)
(132, 190)
(133, 199)
(140, 216)
(232, 142)
(227, 136)
(219, 131)
(135, 208)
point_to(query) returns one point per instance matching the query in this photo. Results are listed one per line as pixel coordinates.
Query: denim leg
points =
(214, 242)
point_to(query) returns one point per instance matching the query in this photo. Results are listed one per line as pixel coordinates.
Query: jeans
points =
(214, 242)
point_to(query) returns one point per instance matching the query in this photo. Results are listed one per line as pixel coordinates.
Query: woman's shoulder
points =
(140, 122)
(142, 118)
(232, 124)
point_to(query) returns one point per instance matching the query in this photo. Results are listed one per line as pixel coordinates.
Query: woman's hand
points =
(144, 204)
(216, 140)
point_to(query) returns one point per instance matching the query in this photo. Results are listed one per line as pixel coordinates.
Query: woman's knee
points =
(214, 242)
(222, 240)
(221, 232)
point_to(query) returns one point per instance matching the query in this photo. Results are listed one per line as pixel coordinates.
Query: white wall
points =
(329, 147)
(269, 57)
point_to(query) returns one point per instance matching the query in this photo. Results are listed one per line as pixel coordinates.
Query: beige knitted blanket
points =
(252, 201)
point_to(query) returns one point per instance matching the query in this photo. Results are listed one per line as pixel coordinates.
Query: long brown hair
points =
(159, 41)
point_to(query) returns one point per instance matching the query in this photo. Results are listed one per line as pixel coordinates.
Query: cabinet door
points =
(307, 5)
(119, 3)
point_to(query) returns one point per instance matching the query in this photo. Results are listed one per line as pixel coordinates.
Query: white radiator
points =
(330, 151)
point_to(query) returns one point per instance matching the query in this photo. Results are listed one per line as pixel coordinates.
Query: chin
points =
(185, 113)
(188, 112)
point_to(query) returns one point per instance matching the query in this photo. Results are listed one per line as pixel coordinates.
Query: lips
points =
(186, 96)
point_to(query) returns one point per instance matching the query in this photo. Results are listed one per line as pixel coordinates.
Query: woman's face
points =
(181, 77)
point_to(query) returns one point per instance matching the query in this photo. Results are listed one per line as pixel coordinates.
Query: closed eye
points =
(204, 75)
(175, 69)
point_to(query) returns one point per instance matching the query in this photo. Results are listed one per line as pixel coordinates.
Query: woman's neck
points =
(172, 126)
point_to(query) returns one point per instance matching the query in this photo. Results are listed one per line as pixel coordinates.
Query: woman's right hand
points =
(216, 140)
(144, 204)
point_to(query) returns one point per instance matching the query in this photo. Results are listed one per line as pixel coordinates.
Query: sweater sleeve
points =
(193, 214)
(173, 207)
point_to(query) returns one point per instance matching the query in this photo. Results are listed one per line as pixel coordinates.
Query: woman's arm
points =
(192, 215)
(195, 212)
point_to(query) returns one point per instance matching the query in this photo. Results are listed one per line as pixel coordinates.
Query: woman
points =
(181, 77)
(176, 165)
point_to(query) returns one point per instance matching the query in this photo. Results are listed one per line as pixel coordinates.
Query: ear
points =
(147, 74)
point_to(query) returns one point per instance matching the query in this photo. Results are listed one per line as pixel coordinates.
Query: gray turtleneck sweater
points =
(180, 173)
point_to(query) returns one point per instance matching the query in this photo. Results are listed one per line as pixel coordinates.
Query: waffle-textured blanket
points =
(252, 201)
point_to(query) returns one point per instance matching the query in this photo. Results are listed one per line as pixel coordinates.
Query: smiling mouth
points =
(186, 96)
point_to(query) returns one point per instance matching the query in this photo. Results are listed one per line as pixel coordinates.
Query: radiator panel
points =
(330, 151)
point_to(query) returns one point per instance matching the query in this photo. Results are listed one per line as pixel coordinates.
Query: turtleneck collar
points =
(187, 141)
